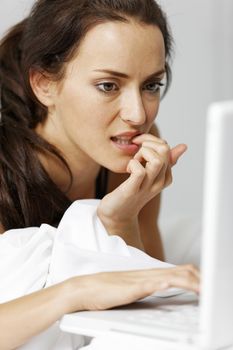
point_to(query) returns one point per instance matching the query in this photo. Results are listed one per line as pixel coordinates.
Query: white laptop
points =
(182, 320)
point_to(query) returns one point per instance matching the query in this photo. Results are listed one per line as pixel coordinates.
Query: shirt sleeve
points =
(25, 256)
(83, 246)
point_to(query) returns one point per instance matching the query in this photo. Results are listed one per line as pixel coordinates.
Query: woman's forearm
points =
(153, 243)
(149, 230)
(25, 317)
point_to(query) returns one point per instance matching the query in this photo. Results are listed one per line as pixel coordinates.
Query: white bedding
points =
(37, 257)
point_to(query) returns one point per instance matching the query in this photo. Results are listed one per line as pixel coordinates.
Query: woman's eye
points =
(153, 87)
(107, 87)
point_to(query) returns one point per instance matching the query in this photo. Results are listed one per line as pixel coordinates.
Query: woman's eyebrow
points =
(123, 75)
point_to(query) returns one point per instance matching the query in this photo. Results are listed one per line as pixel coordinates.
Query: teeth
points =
(122, 140)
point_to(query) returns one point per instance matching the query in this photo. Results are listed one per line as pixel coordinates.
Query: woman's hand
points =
(110, 289)
(150, 172)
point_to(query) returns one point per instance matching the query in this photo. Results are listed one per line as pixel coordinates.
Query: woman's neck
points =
(84, 170)
(84, 175)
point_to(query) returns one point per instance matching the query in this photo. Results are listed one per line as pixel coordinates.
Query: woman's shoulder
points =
(2, 230)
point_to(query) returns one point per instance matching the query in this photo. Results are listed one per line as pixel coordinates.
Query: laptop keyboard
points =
(180, 317)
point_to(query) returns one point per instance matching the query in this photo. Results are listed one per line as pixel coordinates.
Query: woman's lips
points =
(125, 143)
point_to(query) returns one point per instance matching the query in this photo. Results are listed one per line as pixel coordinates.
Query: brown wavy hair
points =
(45, 41)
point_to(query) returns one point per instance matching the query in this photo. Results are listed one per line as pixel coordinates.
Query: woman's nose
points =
(133, 110)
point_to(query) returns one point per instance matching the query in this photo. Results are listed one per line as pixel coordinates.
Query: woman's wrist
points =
(127, 229)
(73, 295)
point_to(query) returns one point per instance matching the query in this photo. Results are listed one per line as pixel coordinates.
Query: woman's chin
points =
(120, 168)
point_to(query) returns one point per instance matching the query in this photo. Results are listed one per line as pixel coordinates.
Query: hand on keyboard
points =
(171, 292)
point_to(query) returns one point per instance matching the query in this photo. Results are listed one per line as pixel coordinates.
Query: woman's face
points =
(110, 93)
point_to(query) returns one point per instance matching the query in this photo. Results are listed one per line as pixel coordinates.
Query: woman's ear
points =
(43, 87)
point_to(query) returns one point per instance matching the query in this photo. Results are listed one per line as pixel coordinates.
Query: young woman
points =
(80, 90)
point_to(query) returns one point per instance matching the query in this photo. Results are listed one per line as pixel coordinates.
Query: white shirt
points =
(37, 257)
